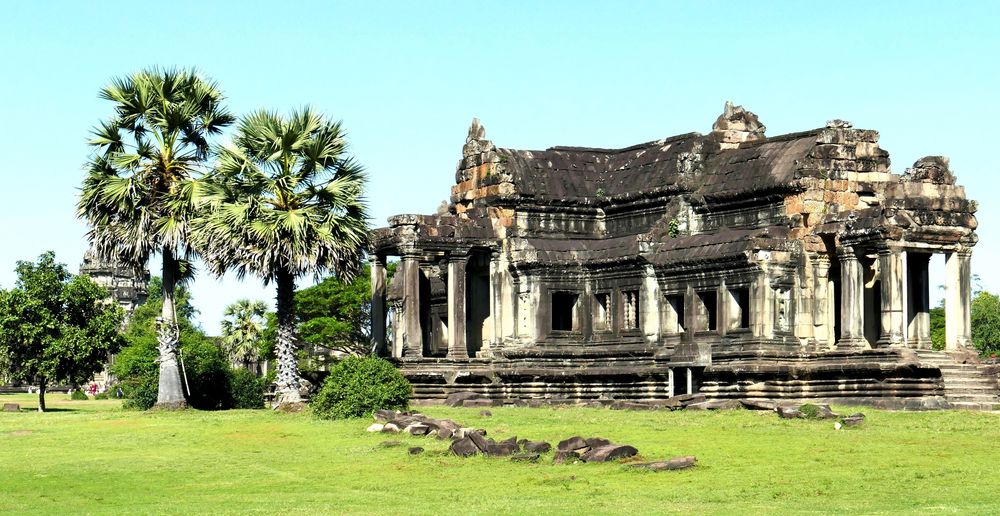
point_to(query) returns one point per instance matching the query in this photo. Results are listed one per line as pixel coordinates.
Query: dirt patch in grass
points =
(21, 433)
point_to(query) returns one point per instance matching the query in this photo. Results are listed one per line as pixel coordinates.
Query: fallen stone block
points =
(667, 465)
(854, 419)
(480, 441)
(477, 403)
(502, 449)
(536, 447)
(391, 428)
(464, 447)
(573, 443)
(417, 429)
(444, 433)
(416, 450)
(632, 405)
(789, 413)
(11, 407)
(377, 427)
(609, 452)
(563, 456)
(455, 399)
(485, 413)
(525, 457)
(759, 404)
(384, 416)
(595, 442)
(715, 405)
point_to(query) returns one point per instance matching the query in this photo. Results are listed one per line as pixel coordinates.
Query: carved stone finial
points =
(931, 169)
(736, 125)
(837, 123)
(476, 131)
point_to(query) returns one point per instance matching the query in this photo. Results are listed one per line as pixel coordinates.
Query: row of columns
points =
(897, 300)
(411, 331)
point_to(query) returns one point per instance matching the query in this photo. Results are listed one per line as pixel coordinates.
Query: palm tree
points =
(282, 202)
(137, 196)
(242, 329)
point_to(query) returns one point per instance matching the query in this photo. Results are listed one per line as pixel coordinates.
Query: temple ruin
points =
(731, 264)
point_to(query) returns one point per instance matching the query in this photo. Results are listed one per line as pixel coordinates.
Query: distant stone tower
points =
(127, 286)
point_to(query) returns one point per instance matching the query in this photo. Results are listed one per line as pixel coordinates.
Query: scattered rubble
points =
(467, 442)
(672, 464)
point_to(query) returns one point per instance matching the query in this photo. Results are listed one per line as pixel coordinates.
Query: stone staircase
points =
(968, 385)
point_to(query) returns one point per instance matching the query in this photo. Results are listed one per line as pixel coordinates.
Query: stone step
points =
(983, 390)
(974, 406)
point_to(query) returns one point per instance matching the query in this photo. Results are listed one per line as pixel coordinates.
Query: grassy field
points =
(92, 457)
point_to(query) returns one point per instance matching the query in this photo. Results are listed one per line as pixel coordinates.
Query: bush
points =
(79, 395)
(207, 372)
(358, 386)
(101, 395)
(247, 389)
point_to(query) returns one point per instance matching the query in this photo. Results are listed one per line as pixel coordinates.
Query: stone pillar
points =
(852, 284)
(892, 313)
(958, 300)
(690, 381)
(822, 306)
(378, 304)
(413, 338)
(457, 348)
(670, 383)
(649, 305)
(918, 287)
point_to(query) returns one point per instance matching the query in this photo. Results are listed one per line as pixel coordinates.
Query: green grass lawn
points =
(92, 457)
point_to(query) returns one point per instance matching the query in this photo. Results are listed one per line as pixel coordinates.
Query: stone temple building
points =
(732, 264)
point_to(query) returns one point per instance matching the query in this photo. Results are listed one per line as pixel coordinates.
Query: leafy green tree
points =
(137, 196)
(55, 327)
(284, 201)
(937, 327)
(242, 330)
(986, 323)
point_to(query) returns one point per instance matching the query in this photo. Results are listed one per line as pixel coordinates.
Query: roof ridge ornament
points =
(476, 131)
(737, 125)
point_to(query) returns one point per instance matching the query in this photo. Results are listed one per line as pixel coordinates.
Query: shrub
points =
(247, 389)
(79, 395)
(207, 372)
(358, 386)
(810, 411)
(101, 395)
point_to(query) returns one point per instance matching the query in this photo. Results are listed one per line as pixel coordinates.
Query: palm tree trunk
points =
(41, 394)
(170, 394)
(288, 380)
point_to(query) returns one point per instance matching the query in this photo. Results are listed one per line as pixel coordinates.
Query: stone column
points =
(822, 306)
(891, 280)
(918, 286)
(649, 306)
(413, 338)
(378, 304)
(852, 284)
(958, 300)
(457, 348)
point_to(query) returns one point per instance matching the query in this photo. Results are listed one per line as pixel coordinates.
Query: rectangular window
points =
(630, 304)
(563, 308)
(602, 321)
(675, 314)
(739, 308)
(708, 311)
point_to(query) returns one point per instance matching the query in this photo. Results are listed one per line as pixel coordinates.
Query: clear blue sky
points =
(406, 79)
